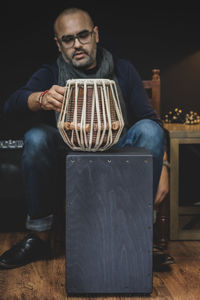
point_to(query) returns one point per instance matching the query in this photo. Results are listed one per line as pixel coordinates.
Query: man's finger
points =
(57, 96)
(59, 89)
(55, 102)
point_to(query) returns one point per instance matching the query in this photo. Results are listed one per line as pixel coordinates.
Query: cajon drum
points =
(109, 222)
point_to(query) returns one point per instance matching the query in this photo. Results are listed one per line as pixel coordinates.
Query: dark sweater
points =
(135, 97)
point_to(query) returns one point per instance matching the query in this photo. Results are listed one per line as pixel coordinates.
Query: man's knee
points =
(150, 130)
(150, 135)
(37, 143)
(35, 138)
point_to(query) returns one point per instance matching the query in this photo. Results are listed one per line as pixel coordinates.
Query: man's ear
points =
(96, 31)
(57, 43)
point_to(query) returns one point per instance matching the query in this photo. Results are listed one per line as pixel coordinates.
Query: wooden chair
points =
(152, 88)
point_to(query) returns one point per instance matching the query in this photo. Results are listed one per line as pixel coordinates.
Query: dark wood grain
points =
(109, 222)
(46, 280)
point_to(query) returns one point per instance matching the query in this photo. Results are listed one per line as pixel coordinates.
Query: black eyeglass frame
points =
(74, 37)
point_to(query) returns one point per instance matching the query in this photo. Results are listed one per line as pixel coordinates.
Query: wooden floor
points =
(45, 280)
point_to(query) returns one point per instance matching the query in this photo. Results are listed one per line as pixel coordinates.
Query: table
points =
(180, 134)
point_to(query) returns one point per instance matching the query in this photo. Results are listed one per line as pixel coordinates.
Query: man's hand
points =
(163, 187)
(53, 99)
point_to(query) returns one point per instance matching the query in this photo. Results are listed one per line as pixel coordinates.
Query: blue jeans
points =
(44, 147)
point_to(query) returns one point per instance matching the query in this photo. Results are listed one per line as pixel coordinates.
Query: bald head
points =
(70, 12)
(76, 25)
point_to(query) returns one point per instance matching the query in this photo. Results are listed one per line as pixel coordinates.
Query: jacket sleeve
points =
(41, 80)
(141, 107)
(135, 96)
(139, 101)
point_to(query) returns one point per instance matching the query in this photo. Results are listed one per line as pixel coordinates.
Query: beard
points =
(86, 62)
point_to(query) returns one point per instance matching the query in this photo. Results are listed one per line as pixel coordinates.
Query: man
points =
(41, 98)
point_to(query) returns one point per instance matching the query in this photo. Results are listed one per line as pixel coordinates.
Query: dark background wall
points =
(165, 38)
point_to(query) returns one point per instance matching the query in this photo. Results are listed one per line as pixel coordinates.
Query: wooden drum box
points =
(109, 222)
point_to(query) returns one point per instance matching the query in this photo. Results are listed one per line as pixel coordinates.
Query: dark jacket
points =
(135, 97)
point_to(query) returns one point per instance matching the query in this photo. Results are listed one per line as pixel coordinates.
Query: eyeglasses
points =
(84, 37)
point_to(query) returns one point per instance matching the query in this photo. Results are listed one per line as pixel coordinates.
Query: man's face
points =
(79, 55)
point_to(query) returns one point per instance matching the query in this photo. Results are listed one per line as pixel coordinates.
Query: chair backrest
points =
(153, 86)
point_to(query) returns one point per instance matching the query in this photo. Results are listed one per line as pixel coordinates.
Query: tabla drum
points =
(91, 117)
